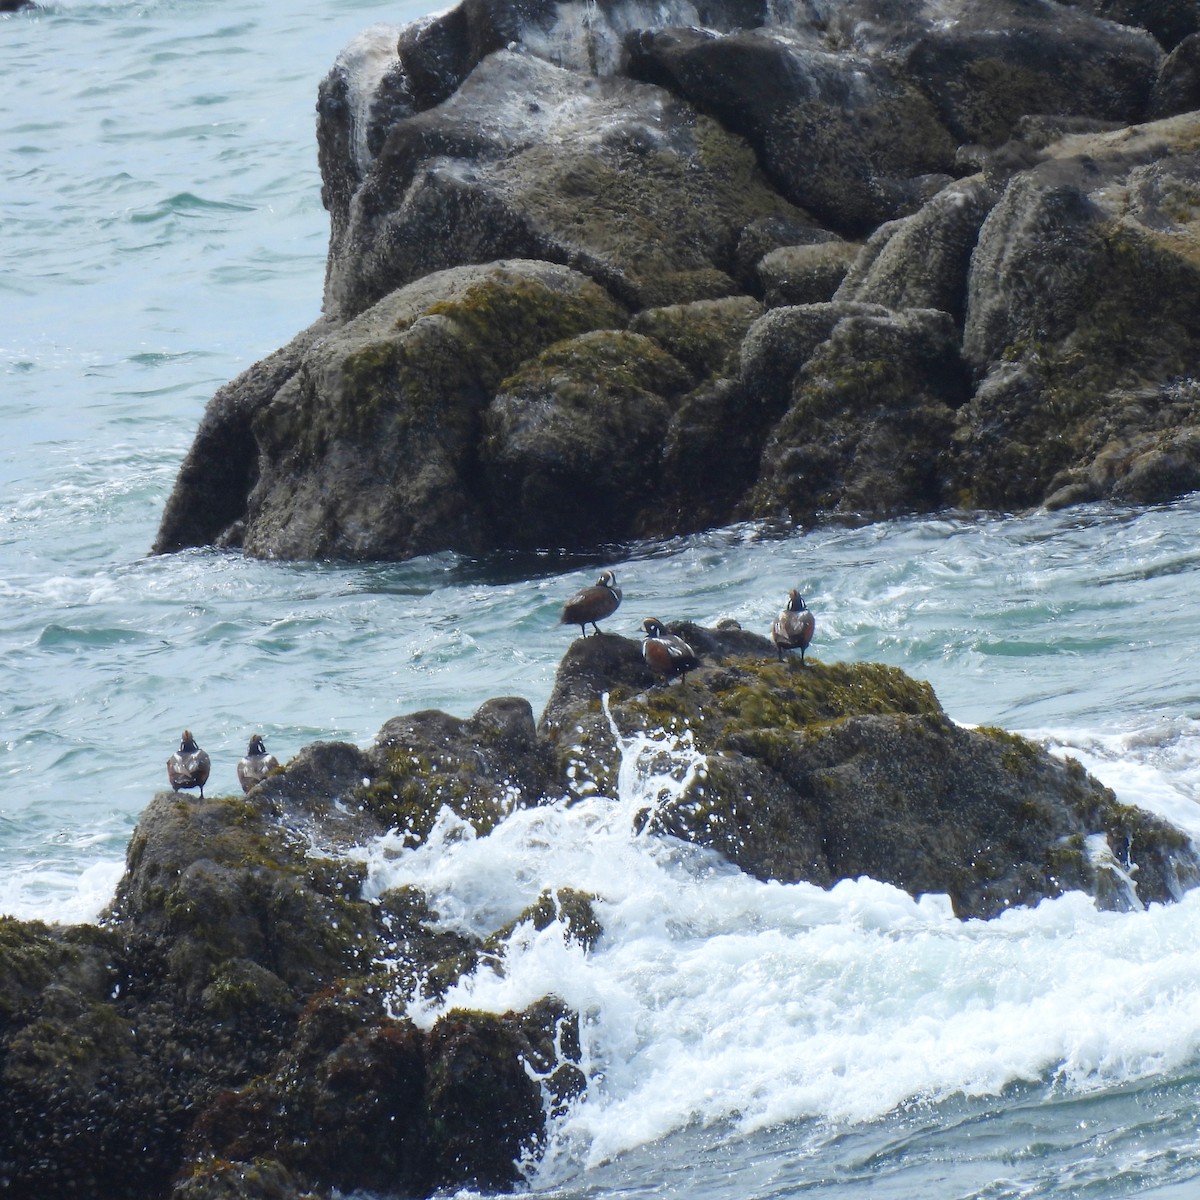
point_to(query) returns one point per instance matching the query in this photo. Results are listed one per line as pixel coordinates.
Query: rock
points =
(97, 1085)
(1169, 20)
(1078, 317)
(552, 226)
(370, 449)
(208, 503)
(574, 436)
(262, 1179)
(777, 347)
(826, 772)
(1177, 89)
(479, 768)
(363, 1101)
(872, 414)
(846, 138)
(1001, 61)
(617, 178)
(923, 261)
(805, 274)
(707, 455)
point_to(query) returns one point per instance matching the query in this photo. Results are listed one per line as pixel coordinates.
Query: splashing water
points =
(716, 1001)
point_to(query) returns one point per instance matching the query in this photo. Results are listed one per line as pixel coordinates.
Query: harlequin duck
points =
(257, 764)
(188, 767)
(793, 628)
(592, 604)
(665, 653)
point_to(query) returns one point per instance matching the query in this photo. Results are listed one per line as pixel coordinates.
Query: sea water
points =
(162, 231)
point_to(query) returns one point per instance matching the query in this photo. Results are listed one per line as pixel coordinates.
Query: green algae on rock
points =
(832, 771)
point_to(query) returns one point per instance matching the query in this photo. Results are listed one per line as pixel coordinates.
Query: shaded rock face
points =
(225, 1028)
(870, 422)
(371, 449)
(1000, 62)
(519, 192)
(235, 1027)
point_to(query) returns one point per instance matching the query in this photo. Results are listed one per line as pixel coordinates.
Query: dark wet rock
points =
(479, 767)
(364, 1101)
(1169, 20)
(572, 436)
(371, 449)
(227, 1026)
(999, 62)
(832, 771)
(260, 1179)
(208, 503)
(1178, 87)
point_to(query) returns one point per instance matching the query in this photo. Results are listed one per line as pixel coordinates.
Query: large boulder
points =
(620, 179)
(871, 419)
(831, 771)
(1169, 20)
(845, 137)
(370, 450)
(208, 503)
(519, 193)
(1080, 325)
(240, 956)
(923, 261)
(1177, 89)
(1003, 60)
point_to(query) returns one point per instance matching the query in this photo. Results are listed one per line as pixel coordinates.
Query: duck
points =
(793, 627)
(592, 604)
(257, 764)
(666, 653)
(189, 766)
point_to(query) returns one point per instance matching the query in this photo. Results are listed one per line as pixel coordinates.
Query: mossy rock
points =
(362, 1100)
(573, 439)
(220, 880)
(834, 770)
(480, 768)
(371, 449)
(1081, 395)
(872, 415)
(219, 1179)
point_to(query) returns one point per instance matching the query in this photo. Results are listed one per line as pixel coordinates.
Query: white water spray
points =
(712, 999)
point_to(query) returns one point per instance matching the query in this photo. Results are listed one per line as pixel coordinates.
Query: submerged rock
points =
(517, 192)
(236, 1025)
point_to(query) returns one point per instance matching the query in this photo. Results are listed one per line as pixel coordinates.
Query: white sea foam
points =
(34, 891)
(1153, 763)
(712, 997)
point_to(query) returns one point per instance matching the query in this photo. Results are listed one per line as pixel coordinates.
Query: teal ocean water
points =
(162, 230)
